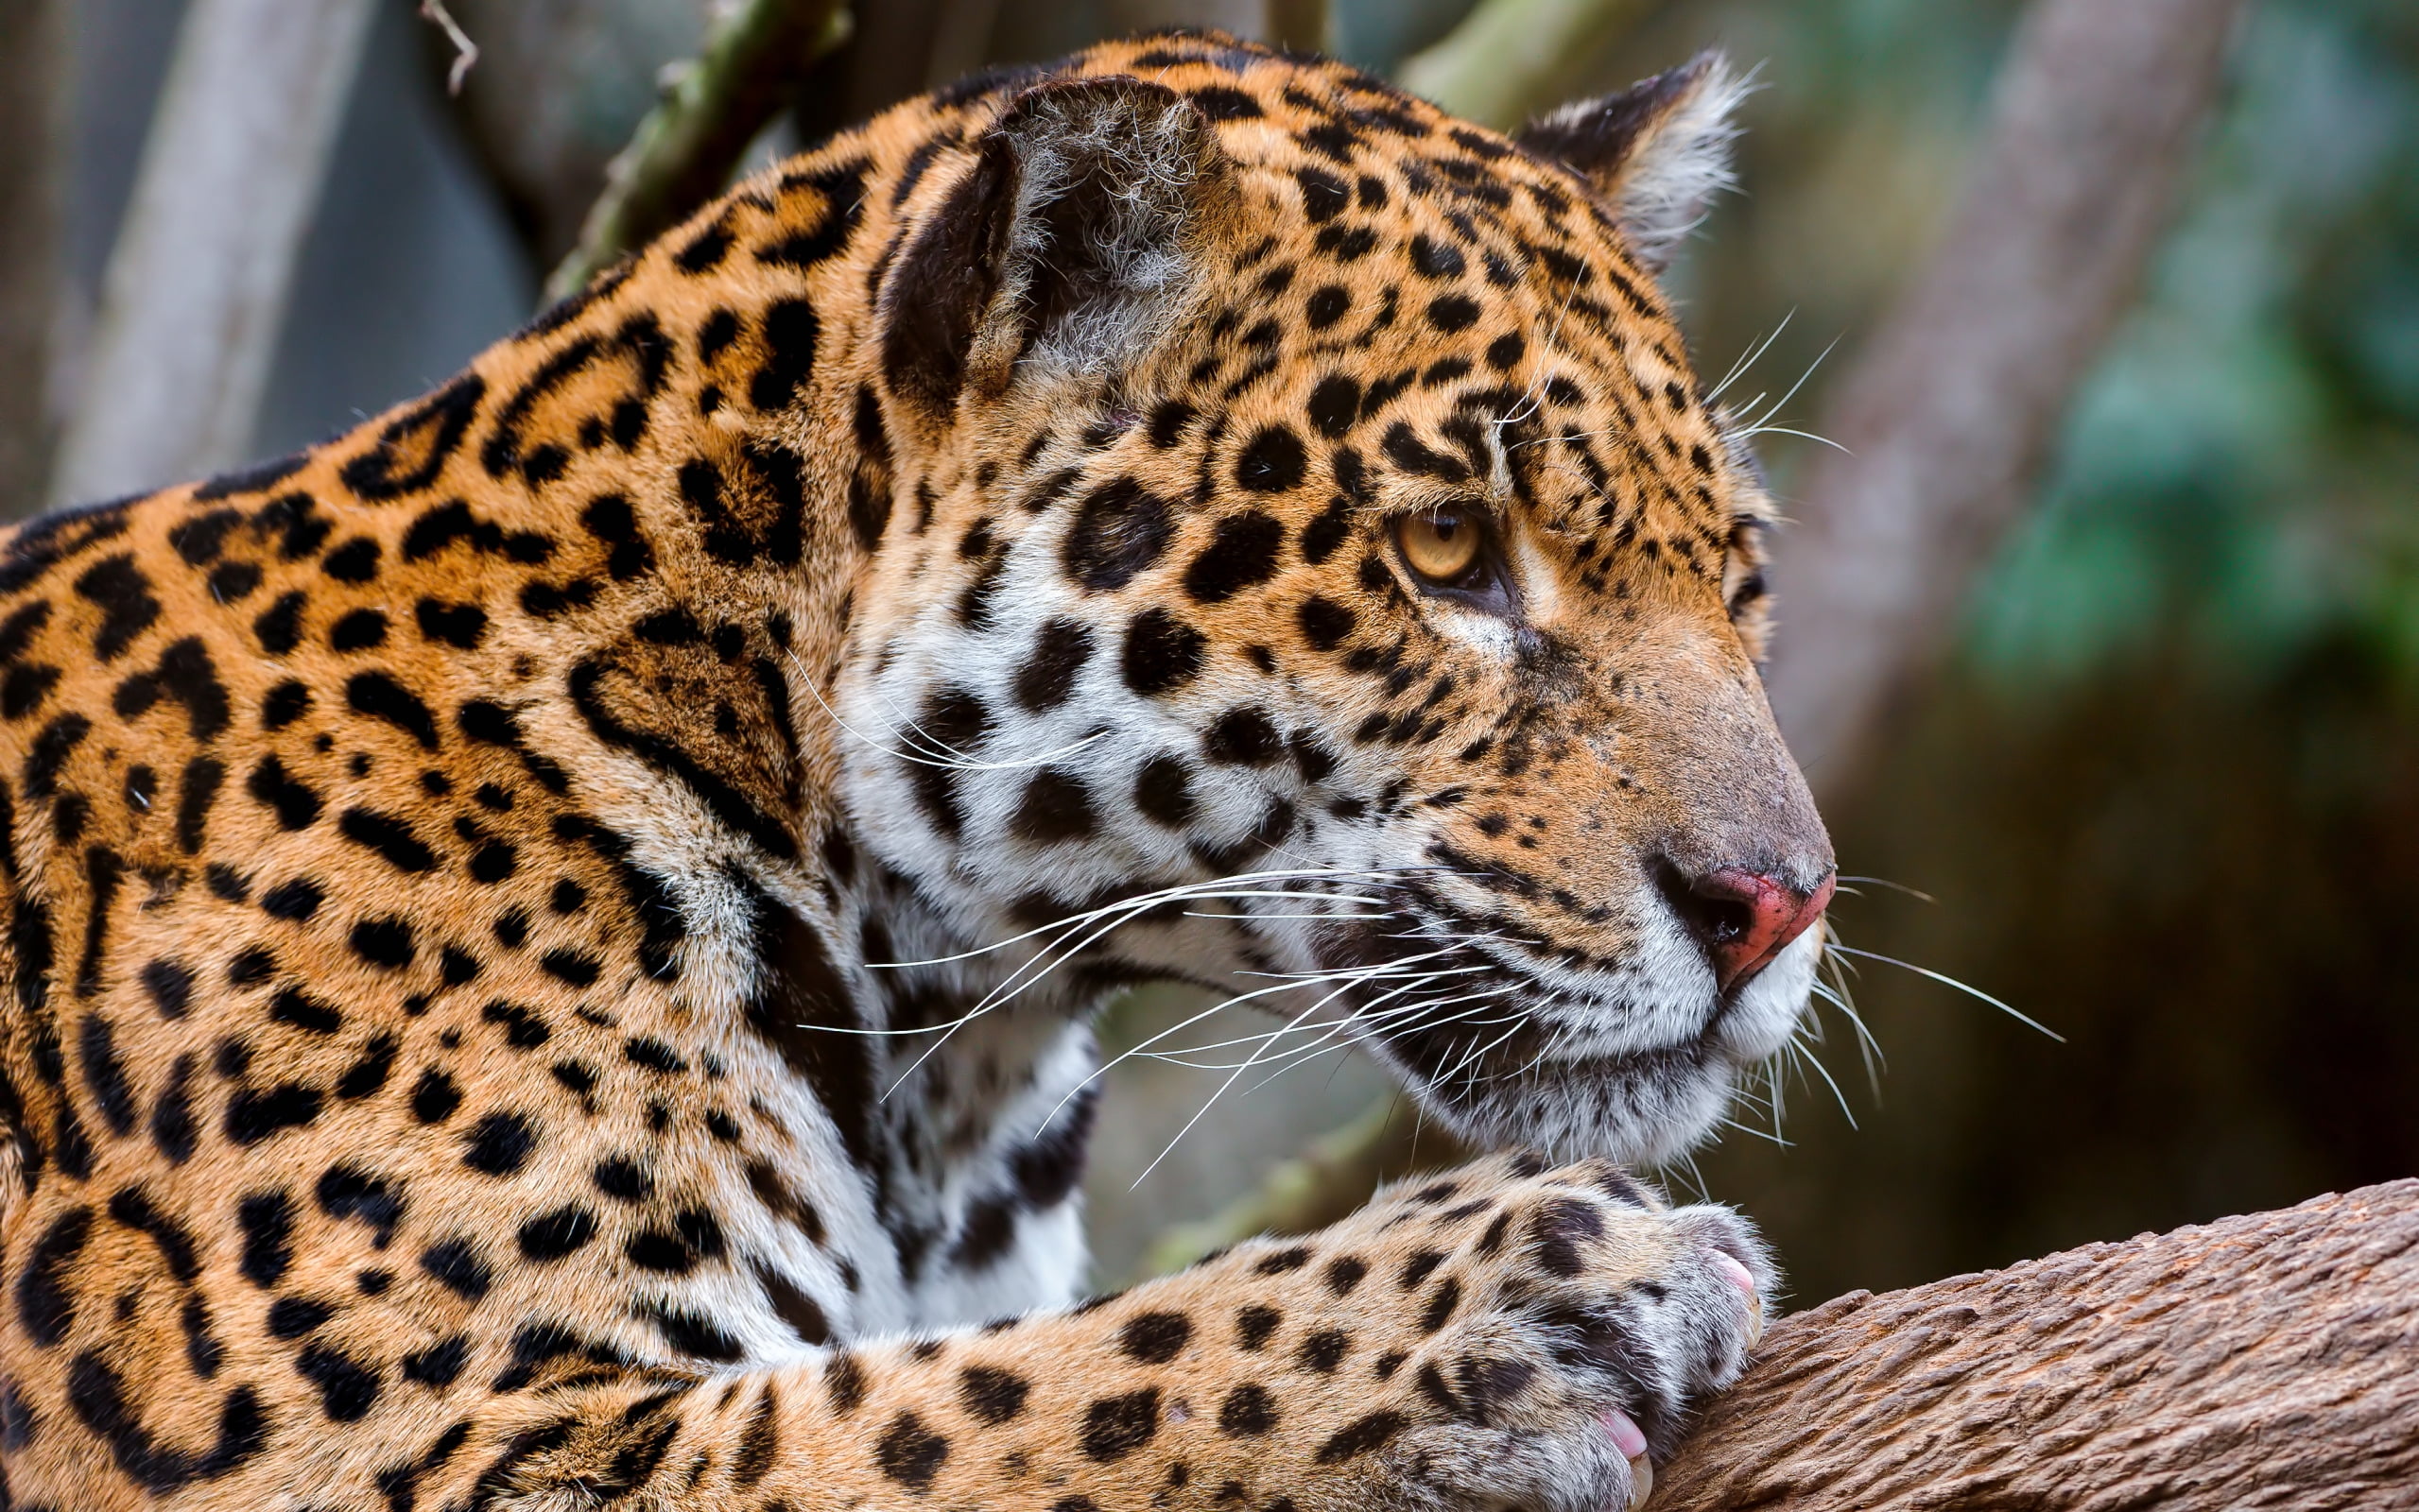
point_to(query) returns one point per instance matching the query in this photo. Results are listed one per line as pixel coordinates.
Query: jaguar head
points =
(1317, 559)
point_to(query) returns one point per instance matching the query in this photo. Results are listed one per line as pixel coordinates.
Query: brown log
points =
(2268, 1361)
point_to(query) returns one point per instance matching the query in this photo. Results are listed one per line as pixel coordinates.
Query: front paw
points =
(1580, 1324)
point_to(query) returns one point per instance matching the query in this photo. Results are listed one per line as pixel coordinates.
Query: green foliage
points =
(2243, 471)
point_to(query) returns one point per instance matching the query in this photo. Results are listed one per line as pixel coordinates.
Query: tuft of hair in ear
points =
(1070, 246)
(1655, 153)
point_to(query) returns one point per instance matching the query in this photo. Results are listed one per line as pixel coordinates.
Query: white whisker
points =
(946, 758)
(1748, 359)
(1824, 1072)
(1362, 1022)
(1750, 1128)
(1687, 1162)
(1949, 981)
(1207, 888)
(1894, 886)
(1784, 430)
(1202, 1113)
(1029, 973)
(1775, 407)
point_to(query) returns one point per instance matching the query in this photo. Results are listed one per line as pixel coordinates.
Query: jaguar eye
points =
(1440, 546)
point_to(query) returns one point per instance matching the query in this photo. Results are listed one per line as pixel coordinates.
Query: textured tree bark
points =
(1950, 408)
(2269, 1361)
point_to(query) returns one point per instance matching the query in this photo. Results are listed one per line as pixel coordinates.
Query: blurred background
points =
(2153, 779)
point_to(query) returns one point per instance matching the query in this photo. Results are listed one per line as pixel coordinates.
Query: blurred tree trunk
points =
(1950, 409)
(198, 282)
(33, 66)
(2255, 1361)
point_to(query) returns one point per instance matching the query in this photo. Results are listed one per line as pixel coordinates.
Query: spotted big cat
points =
(551, 939)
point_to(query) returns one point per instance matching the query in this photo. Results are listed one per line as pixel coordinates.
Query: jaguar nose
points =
(1743, 918)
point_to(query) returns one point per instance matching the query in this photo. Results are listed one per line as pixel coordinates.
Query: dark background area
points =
(2165, 796)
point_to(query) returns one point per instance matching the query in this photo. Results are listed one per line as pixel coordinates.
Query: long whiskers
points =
(1079, 932)
(930, 749)
(1758, 423)
(1946, 980)
(1238, 884)
(1850, 885)
(1363, 1015)
(1754, 431)
(1339, 983)
(1207, 1104)
(1408, 1000)
(1373, 1027)
(1235, 1073)
(1748, 359)
(1798, 1053)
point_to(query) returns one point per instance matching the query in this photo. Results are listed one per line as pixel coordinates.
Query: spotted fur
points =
(550, 937)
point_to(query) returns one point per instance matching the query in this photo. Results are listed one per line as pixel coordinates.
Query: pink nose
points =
(1745, 919)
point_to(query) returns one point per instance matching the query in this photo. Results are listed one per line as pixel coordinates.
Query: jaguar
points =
(552, 938)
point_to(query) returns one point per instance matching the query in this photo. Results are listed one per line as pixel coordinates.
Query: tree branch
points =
(685, 148)
(465, 50)
(1947, 413)
(2269, 1361)
(1511, 57)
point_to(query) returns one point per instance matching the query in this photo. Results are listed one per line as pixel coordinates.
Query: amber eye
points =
(1441, 546)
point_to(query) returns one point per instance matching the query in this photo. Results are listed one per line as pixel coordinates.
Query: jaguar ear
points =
(1656, 153)
(1070, 246)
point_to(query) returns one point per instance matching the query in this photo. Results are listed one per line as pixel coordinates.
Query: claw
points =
(1632, 1442)
(1740, 1276)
